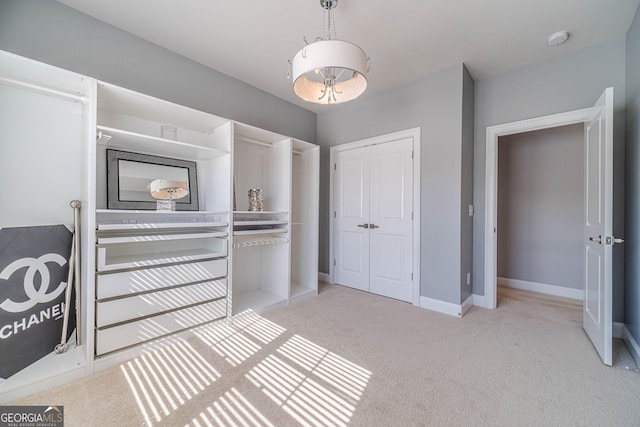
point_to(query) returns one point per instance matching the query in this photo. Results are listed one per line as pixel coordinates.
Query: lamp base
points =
(165, 205)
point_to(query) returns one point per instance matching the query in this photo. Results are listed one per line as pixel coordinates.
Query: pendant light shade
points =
(329, 71)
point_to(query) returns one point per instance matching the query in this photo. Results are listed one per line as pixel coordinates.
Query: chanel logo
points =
(36, 296)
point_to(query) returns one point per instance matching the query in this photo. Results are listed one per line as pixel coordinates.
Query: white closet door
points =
(390, 223)
(598, 227)
(373, 229)
(352, 216)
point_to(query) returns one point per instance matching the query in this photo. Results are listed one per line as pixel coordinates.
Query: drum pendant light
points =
(329, 71)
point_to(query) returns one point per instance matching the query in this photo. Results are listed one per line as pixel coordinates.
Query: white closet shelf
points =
(242, 222)
(121, 262)
(124, 101)
(261, 212)
(152, 212)
(120, 219)
(256, 232)
(159, 226)
(257, 301)
(45, 370)
(133, 141)
(137, 238)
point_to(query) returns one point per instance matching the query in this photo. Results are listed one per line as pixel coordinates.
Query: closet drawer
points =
(124, 309)
(135, 254)
(133, 282)
(117, 337)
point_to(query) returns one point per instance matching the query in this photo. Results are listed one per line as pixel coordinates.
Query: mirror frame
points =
(113, 182)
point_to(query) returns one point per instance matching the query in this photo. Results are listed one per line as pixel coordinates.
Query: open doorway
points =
(598, 238)
(540, 210)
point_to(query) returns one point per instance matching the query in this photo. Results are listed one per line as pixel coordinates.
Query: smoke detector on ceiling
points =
(558, 38)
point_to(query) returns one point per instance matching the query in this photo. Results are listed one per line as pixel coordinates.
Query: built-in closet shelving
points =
(261, 252)
(160, 272)
(279, 244)
(148, 274)
(47, 118)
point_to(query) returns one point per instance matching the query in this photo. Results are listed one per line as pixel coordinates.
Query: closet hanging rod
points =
(264, 144)
(266, 241)
(252, 141)
(66, 95)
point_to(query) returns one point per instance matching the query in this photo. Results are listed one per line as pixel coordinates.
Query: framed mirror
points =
(132, 177)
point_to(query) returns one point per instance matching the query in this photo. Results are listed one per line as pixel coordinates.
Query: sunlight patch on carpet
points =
(236, 342)
(314, 386)
(231, 409)
(166, 379)
(342, 374)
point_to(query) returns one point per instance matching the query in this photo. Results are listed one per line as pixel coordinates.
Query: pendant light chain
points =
(330, 32)
(333, 24)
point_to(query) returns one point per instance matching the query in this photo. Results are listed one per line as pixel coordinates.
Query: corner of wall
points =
(466, 186)
(632, 190)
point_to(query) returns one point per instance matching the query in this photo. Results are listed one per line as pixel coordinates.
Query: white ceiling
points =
(252, 40)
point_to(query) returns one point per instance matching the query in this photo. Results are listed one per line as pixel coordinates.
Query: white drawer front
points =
(132, 282)
(121, 336)
(120, 256)
(123, 309)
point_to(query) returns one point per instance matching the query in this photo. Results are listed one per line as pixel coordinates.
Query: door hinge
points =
(335, 167)
(411, 215)
(412, 277)
(412, 154)
(334, 214)
(334, 262)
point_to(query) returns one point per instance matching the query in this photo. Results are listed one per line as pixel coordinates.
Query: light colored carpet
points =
(351, 358)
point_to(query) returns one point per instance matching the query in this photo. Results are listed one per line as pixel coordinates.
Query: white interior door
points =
(390, 222)
(597, 320)
(373, 226)
(351, 195)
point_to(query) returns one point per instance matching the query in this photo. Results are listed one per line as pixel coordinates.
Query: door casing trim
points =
(491, 185)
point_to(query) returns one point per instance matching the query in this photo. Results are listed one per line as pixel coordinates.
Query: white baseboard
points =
(479, 300)
(467, 304)
(542, 288)
(324, 277)
(441, 306)
(632, 344)
(618, 330)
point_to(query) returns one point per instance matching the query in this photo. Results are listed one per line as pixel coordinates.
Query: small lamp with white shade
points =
(166, 192)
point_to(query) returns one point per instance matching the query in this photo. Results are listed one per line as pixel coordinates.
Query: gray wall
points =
(434, 104)
(568, 83)
(541, 206)
(50, 32)
(632, 243)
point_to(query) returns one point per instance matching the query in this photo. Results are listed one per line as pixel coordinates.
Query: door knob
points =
(607, 240)
(373, 226)
(363, 225)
